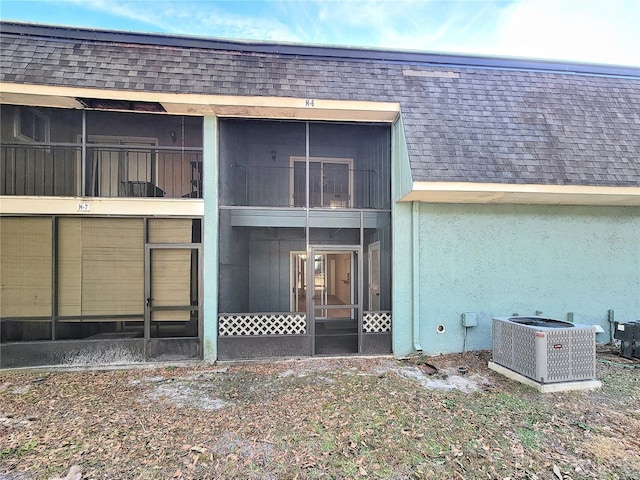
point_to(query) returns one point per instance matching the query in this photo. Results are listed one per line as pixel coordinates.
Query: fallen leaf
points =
(557, 471)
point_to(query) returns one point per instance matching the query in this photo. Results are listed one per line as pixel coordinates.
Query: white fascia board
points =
(214, 105)
(498, 193)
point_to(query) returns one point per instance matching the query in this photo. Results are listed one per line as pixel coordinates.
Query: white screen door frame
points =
(374, 276)
(318, 309)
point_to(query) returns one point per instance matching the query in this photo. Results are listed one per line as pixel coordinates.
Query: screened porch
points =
(86, 153)
(79, 289)
(304, 238)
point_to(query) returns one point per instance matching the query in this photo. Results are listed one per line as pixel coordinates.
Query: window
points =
(31, 125)
(330, 182)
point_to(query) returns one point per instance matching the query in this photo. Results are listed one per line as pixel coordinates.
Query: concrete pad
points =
(545, 387)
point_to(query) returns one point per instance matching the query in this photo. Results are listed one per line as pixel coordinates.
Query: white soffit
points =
(201, 105)
(496, 193)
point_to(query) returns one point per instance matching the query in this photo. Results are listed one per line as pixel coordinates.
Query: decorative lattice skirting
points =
(376, 322)
(262, 324)
(289, 323)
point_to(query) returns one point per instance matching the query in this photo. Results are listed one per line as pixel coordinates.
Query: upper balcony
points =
(56, 169)
(265, 164)
(56, 152)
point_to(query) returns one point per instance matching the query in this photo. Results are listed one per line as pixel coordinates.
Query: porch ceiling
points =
(220, 105)
(495, 193)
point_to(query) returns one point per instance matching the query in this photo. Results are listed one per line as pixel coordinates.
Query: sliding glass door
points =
(330, 182)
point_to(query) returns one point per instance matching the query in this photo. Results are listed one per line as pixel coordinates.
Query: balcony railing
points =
(284, 186)
(58, 169)
(39, 169)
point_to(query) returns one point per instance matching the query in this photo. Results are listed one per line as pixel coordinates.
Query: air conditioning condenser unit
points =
(545, 350)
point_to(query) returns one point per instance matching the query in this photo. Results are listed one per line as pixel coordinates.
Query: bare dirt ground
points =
(317, 418)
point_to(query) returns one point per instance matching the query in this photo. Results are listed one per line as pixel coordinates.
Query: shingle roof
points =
(463, 123)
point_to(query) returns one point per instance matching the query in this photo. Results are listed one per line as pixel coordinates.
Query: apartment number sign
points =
(310, 102)
(83, 207)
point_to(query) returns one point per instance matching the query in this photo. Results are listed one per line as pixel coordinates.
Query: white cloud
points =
(596, 31)
(224, 25)
(194, 17)
(586, 30)
(592, 31)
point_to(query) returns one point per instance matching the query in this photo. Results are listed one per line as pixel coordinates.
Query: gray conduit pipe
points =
(415, 272)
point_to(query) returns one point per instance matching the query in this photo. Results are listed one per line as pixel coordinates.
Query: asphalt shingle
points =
(462, 123)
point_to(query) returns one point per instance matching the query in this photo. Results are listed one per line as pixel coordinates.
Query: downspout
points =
(415, 272)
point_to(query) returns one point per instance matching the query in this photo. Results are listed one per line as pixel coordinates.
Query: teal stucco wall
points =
(496, 260)
(402, 298)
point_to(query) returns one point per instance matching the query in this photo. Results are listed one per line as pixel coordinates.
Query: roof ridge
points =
(315, 51)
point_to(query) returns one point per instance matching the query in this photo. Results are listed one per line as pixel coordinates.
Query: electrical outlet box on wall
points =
(469, 319)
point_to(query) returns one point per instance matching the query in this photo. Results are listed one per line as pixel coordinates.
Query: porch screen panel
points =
(106, 169)
(170, 230)
(25, 267)
(112, 267)
(70, 266)
(100, 266)
(171, 283)
(299, 184)
(336, 185)
(119, 166)
(368, 151)
(170, 269)
(315, 184)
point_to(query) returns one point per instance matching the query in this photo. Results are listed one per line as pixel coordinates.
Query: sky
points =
(582, 31)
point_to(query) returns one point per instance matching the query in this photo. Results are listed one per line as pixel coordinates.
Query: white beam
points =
(495, 193)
